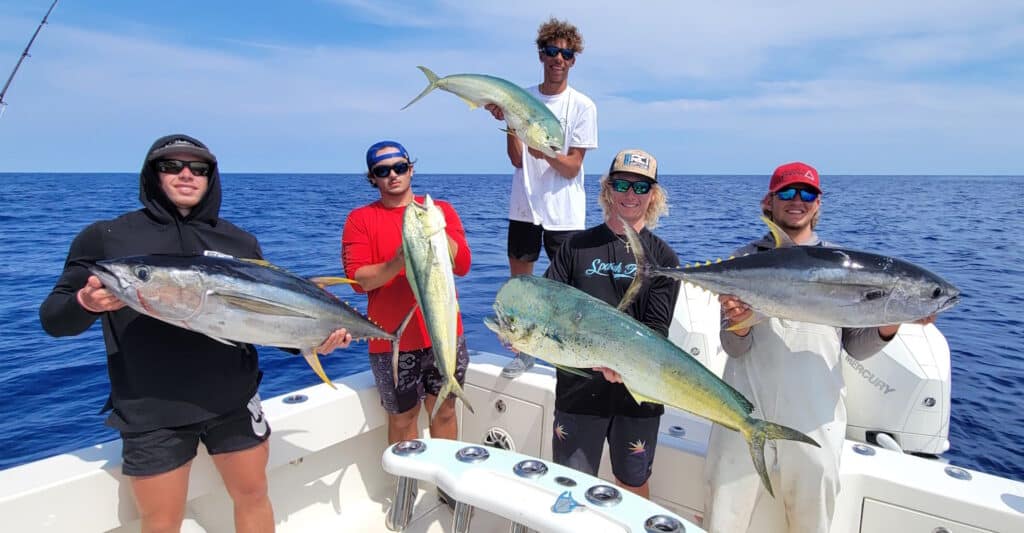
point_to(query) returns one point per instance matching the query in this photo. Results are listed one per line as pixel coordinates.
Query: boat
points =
(331, 469)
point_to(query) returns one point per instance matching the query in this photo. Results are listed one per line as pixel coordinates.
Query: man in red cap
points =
(794, 378)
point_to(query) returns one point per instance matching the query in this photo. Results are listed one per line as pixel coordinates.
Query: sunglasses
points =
(383, 171)
(789, 193)
(552, 51)
(174, 166)
(639, 187)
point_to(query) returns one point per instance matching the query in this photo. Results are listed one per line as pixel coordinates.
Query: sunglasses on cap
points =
(552, 51)
(383, 171)
(174, 166)
(789, 193)
(639, 187)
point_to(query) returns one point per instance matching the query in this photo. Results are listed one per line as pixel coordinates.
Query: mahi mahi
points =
(571, 329)
(822, 285)
(236, 301)
(526, 116)
(428, 267)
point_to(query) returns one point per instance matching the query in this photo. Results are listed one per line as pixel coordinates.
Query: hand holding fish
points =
(339, 338)
(95, 298)
(888, 332)
(495, 111)
(735, 311)
(609, 374)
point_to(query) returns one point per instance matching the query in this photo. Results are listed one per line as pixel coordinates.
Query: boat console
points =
(530, 492)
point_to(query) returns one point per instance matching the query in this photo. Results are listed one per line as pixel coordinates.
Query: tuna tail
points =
(395, 344)
(633, 240)
(762, 430)
(431, 78)
(451, 386)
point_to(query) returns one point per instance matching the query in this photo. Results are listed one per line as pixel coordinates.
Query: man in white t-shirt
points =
(548, 203)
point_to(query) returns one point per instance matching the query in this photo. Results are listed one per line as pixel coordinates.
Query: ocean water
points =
(967, 229)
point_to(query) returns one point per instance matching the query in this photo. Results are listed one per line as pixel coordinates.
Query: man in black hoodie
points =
(170, 387)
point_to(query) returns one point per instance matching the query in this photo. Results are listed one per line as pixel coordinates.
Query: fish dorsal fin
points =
(782, 240)
(259, 305)
(327, 281)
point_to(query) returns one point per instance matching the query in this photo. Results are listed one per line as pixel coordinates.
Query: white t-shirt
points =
(539, 194)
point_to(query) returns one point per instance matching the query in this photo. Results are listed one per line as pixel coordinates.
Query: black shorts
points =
(578, 440)
(162, 450)
(524, 240)
(417, 376)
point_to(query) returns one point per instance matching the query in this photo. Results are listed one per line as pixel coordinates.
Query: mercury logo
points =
(870, 376)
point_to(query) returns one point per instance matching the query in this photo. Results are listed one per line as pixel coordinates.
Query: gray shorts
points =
(578, 440)
(417, 376)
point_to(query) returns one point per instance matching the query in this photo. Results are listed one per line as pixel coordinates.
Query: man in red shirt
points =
(372, 255)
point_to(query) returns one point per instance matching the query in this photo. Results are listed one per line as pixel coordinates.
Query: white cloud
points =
(694, 71)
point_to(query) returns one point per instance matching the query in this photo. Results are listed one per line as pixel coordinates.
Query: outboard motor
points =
(902, 392)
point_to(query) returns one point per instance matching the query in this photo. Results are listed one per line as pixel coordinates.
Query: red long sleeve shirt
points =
(372, 235)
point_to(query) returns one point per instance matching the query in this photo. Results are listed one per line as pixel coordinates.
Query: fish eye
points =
(937, 292)
(142, 273)
(874, 295)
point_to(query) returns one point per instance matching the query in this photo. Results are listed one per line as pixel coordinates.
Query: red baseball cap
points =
(794, 173)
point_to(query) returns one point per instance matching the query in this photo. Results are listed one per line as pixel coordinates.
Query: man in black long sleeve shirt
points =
(171, 387)
(599, 262)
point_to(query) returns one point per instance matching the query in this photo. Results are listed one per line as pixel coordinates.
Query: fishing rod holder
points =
(532, 494)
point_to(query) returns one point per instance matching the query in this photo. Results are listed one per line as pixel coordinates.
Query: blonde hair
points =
(655, 210)
(555, 29)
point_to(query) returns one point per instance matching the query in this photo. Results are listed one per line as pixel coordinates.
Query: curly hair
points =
(657, 207)
(555, 29)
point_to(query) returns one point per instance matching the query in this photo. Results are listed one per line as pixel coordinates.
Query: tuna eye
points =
(142, 273)
(874, 295)
(937, 292)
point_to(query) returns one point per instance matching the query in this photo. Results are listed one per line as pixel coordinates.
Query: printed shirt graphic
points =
(539, 194)
(596, 261)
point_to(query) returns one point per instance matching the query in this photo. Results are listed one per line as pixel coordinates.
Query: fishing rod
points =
(3, 104)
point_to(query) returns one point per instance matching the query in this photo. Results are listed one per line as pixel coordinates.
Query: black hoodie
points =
(160, 375)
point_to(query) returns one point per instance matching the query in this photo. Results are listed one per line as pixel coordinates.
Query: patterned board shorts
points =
(577, 442)
(417, 376)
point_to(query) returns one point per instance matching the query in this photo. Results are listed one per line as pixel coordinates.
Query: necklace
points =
(626, 243)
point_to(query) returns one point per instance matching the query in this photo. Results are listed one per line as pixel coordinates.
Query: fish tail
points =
(451, 387)
(313, 360)
(432, 80)
(642, 270)
(762, 430)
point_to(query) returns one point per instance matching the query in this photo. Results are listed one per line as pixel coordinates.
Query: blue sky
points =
(731, 87)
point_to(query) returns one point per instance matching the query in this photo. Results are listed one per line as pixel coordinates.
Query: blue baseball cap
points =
(371, 154)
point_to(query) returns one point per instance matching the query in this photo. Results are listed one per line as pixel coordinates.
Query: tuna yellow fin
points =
(782, 239)
(472, 104)
(750, 321)
(257, 305)
(260, 262)
(398, 340)
(313, 359)
(327, 281)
